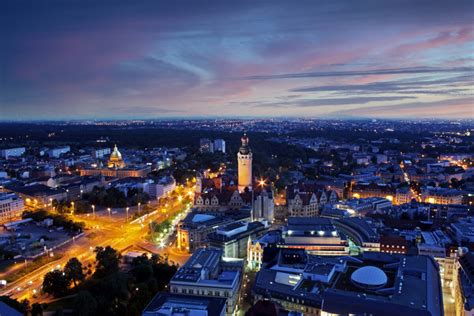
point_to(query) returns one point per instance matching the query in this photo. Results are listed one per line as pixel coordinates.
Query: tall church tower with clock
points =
(244, 158)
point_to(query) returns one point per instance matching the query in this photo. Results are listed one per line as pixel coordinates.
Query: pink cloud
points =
(456, 108)
(444, 38)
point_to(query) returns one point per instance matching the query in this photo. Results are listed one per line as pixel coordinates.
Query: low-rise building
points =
(393, 243)
(126, 172)
(255, 248)
(57, 152)
(362, 231)
(11, 207)
(161, 188)
(232, 239)
(368, 190)
(441, 196)
(370, 284)
(193, 230)
(39, 195)
(464, 285)
(168, 304)
(315, 234)
(440, 246)
(206, 274)
(12, 152)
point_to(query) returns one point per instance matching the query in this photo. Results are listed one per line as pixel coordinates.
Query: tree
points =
(140, 297)
(143, 272)
(405, 216)
(73, 271)
(55, 283)
(107, 261)
(36, 309)
(85, 304)
(111, 293)
(22, 306)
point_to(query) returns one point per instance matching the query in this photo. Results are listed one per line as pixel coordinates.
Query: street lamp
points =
(72, 204)
(139, 207)
(93, 210)
(108, 209)
(127, 213)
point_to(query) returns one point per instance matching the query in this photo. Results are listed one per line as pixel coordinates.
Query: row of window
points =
(201, 292)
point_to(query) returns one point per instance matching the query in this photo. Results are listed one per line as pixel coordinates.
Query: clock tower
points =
(244, 158)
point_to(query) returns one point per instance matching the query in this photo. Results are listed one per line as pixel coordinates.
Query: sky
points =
(158, 59)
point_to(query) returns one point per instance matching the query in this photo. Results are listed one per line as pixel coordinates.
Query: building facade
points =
(244, 158)
(441, 196)
(370, 284)
(11, 207)
(206, 274)
(185, 305)
(232, 239)
(57, 152)
(315, 234)
(12, 152)
(219, 145)
(193, 230)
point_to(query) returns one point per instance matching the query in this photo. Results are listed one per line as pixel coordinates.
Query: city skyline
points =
(94, 60)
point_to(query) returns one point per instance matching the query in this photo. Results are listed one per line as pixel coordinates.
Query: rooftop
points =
(373, 283)
(369, 276)
(175, 304)
(311, 226)
(206, 268)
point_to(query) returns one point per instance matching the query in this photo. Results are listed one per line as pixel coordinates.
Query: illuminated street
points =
(105, 229)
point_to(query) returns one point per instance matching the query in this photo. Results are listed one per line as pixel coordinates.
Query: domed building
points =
(369, 278)
(116, 168)
(115, 160)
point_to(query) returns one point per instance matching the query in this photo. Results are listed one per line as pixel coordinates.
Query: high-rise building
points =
(219, 145)
(244, 157)
(206, 145)
(100, 152)
(264, 206)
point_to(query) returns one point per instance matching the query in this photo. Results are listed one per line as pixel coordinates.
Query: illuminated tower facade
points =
(244, 158)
